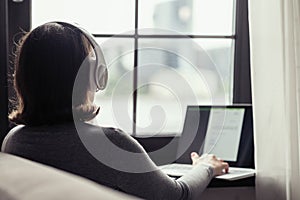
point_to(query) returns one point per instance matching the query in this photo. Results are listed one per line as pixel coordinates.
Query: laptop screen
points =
(226, 131)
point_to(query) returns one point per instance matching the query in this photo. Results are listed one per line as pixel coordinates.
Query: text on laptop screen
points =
(224, 132)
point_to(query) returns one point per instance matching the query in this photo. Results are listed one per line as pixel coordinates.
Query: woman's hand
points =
(219, 166)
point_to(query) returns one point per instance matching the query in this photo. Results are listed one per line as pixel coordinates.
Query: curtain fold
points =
(274, 43)
(292, 10)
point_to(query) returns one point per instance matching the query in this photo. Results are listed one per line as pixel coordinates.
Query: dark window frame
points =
(3, 68)
(11, 24)
(242, 70)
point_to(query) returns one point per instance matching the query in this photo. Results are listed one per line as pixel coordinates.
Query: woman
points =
(47, 62)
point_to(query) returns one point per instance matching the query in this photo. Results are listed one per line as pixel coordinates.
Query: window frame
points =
(241, 77)
(242, 67)
(11, 24)
(3, 68)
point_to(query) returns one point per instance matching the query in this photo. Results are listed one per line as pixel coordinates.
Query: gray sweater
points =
(60, 146)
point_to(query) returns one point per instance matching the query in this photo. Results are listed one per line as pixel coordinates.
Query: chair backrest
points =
(27, 180)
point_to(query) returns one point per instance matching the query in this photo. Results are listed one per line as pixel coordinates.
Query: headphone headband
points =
(98, 73)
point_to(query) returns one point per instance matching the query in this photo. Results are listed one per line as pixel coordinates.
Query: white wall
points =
(230, 193)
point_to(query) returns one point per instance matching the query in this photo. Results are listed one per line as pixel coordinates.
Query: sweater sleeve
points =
(155, 184)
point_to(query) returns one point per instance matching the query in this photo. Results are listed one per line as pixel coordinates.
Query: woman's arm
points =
(157, 185)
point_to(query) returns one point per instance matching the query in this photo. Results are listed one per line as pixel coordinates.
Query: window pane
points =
(97, 16)
(116, 102)
(205, 17)
(174, 73)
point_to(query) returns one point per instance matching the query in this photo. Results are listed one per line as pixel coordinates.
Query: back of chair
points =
(27, 180)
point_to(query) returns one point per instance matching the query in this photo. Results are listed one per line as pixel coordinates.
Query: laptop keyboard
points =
(178, 170)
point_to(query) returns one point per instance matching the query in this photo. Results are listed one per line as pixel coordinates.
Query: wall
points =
(236, 193)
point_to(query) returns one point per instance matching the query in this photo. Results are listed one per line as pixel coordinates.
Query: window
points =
(162, 56)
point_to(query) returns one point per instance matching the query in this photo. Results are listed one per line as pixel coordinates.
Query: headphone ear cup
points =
(98, 75)
(92, 80)
(101, 76)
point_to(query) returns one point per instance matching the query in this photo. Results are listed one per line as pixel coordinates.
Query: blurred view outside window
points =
(167, 55)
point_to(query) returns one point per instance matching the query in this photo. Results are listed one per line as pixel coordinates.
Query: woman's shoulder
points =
(14, 131)
(115, 135)
(92, 129)
(88, 129)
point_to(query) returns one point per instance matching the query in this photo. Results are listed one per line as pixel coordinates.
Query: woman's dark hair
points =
(46, 65)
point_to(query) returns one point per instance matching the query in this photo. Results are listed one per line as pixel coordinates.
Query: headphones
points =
(98, 69)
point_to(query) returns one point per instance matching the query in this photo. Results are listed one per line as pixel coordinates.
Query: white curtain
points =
(275, 70)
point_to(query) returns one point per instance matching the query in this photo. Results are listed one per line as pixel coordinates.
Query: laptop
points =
(226, 131)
